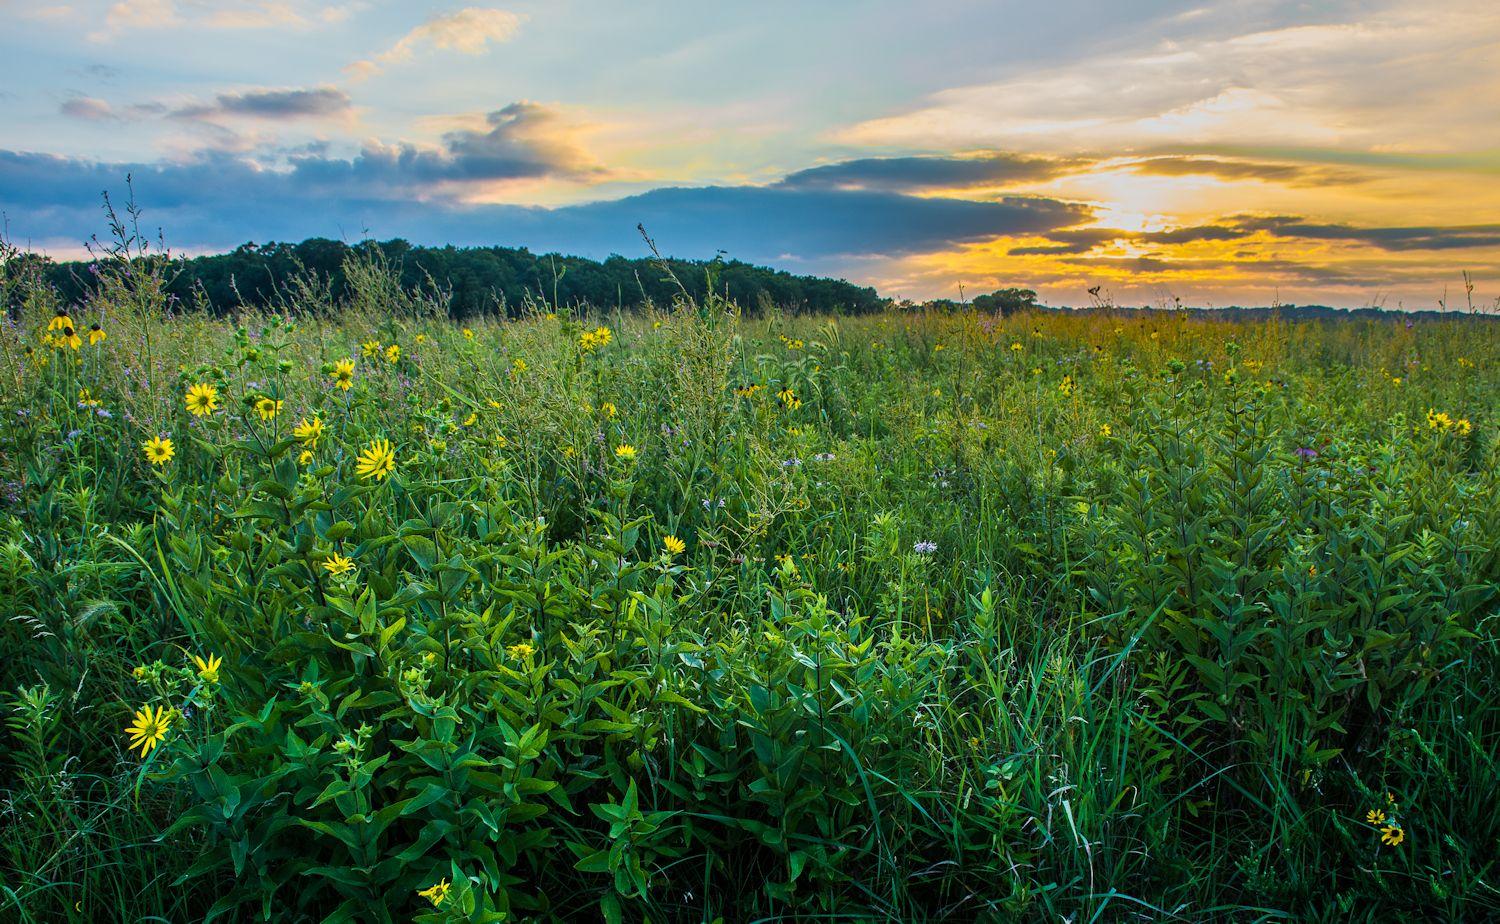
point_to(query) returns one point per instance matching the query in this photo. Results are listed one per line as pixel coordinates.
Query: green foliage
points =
(972, 618)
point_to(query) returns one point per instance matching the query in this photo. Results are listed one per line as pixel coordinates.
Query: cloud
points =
(1289, 174)
(469, 31)
(1288, 227)
(318, 102)
(1429, 237)
(92, 109)
(87, 108)
(222, 200)
(927, 172)
(126, 15)
(1349, 75)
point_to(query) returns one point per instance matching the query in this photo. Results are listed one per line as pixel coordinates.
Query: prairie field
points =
(354, 611)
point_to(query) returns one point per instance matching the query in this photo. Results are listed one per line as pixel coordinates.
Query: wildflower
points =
(436, 894)
(159, 450)
(343, 374)
(267, 408)
(1392, 835)
(377, 461)
(1066, 386)
(1016, 347)
(371, 348)
(1307, 452)
(392, 353)
(202, 399)
(472, 419)
(304, 457)
(520, 651)
(468, 334)
(149, 728)
(500, 441)
(924, 547)
(86, 398)
(789, 399)
(208, 671)
(1105, 430)
(69, 338)
(595, 339)
(338, 565)
(96, 335)
(60, 321)
(421, 339)
(609, 410)
(309, 431)
(518, 366)
(1375, 817)
(625, 451)
(673, 545)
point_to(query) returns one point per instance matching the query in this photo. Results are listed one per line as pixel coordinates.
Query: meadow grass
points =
(685, 616)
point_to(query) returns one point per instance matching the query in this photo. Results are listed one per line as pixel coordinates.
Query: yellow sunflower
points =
(377, 461)
(149, 728)
(159, 450)
(202, 399)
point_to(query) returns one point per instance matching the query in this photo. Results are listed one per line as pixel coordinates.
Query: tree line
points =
(475, 281)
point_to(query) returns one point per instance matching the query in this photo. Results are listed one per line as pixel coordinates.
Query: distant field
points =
(680, 616)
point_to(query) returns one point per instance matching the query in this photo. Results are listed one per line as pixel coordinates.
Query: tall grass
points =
(1044, 617)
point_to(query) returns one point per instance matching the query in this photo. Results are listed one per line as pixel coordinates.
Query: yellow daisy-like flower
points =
(60, 321)
(208, 670)
(520, 651)
(625, 451)
(343, 374)
(421, 339)
(309, 431)
(1375, 817)
(1066, 386)
(789, 398)
(149, 728)
(392, 353)
(377, 461)
(468, 334)
(202, 399)
(371, 347)
(1392, 835)
(338, 565)
(673, 545)
(97, 335)
(608, 409)
(69, 338)
(1016, 347)
(268, 408)
(1105, 430)
(159, 450)
(436, 894)
(518, 367)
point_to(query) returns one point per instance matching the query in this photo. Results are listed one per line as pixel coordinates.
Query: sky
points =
(1341, 152)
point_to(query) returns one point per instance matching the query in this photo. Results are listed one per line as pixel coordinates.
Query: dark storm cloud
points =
(899, 174)
(316, 102)
(222, 200)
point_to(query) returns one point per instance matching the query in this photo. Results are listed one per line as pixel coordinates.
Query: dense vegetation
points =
(680, 616)
(471, 281)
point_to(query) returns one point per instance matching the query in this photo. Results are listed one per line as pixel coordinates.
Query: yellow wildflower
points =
(202, 399)
(673, 545)
(208, 671)
(159, 450)
(149, 728)
(377, 461)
